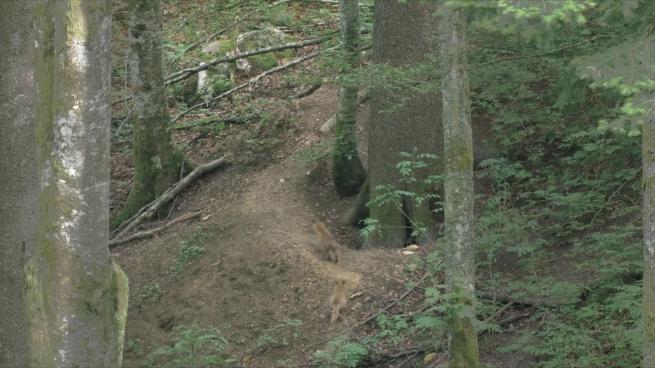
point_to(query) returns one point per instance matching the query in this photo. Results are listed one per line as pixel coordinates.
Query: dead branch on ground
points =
(369, 319)
(150, 233)
(173, 191)
(186, 73)
(227, 120)
(248, 83)
(308, 91)
(235, 23)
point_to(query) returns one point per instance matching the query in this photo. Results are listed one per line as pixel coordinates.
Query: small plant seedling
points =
(192, 249)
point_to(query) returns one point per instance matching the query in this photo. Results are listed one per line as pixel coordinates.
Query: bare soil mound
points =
(256, 270)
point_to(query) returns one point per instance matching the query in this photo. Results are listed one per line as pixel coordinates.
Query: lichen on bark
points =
(71, 297)
(648, 224)
(157, 163)
(458, 189)
(18, 181)
(347, 170)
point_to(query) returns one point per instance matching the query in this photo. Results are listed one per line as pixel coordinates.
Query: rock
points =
(253, 40)
(216, 79)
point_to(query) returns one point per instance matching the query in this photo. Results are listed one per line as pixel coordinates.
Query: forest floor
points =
(257, 268)
(246, 265)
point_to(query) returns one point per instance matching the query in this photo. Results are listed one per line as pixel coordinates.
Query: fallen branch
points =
(228, 120)
(248, 83)
(218, 33)
(527, 302)
(333, 2)
(369, 319)
(499, 312)
(308, 91)
(186, 73)
(171, 193)
(152, 232)
(386, 357)
(515, 318)
(545, 53)
(120, 227)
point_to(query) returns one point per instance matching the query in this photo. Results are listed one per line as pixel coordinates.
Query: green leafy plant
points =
(341, 353)
(408, 189)
(193, 347)
(134, 346)
(392, 328)
(148, 294)
(604, 333)
(192, 249)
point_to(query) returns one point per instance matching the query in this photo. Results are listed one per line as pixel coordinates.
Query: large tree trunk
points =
(18, 179)
(648, 158)
(404, 35)
(75, 297)
(348, 172)
(458, 188)
(156, 161)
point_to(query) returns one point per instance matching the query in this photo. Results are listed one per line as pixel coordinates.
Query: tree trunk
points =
(157, 163)
(404, 35)
(348, 172)
(18, 181)
(75, 297)
(458, 188)
(358, 211)
(648, 158)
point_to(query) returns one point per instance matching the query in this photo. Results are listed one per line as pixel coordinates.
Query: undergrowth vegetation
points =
(564, 194)
(561, 194)
(193, 347)
(558, 200)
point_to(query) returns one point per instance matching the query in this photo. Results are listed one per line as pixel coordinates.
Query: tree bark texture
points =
(347, 170)
(648, 312)
(75, 297)
(18, 181)
(402, 121)
(156, 161)
(458, 188)
(358, 211)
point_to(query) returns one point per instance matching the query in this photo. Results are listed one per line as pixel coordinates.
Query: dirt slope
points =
(257, 267)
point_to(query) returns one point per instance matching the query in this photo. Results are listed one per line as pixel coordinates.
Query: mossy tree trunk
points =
(648, 312)
(157, 164)
(402, 120)
(18, 181)
(458, 188)
(75, 296)
(348, 172)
